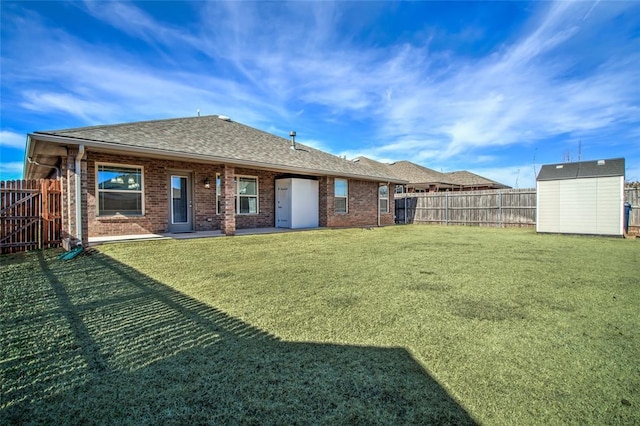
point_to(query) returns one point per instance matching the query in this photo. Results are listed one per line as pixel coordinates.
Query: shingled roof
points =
(583, 169)
(214, 139)
(418, 174)
(468, 179)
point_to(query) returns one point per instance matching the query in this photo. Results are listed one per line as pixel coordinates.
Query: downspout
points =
(404, 188)
(79, 194)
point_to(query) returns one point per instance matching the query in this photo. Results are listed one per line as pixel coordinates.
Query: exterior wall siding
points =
(581, 206)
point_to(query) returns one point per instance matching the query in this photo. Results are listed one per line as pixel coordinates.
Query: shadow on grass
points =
(94, 341)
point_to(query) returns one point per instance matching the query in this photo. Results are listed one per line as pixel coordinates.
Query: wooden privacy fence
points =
(30, 215)
(500, 208)
(632, 196)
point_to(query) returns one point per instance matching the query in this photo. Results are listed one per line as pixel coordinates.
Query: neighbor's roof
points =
(465, 178)
(210, 139)
(583, 169)
(418, 174)
(382, 168)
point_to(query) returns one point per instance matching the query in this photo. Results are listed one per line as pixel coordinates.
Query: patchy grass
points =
(408, 324)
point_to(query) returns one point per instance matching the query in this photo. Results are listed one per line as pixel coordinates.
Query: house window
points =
(119, 190)
(399, 189)
(383, 198)
(246, 191)
(341, 195)
(246, 194)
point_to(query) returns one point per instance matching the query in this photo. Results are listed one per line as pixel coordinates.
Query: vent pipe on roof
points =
(293, 139)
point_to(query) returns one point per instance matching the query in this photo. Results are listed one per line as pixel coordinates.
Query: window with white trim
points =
(119, 190)
(383, 198)
(341, 194)
(245, 192)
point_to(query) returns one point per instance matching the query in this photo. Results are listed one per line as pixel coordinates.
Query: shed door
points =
(283, 203)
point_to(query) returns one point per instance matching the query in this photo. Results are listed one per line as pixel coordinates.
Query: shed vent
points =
(601, 162)
(224, 117)
(559, 166)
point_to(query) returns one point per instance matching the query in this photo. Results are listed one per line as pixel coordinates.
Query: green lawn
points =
(396, 325)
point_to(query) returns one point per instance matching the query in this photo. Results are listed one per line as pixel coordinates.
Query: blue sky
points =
(496, 88)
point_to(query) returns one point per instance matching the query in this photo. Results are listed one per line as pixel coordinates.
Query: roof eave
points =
(28, 152)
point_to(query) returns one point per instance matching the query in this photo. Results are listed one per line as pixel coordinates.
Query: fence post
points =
(500, 209)
(446, 208)
(405, 209)
(44, 212)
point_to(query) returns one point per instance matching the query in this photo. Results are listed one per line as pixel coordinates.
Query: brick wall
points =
(68, 177)
(363, 198)
(362, 205)
(156, 196)
(266, 201)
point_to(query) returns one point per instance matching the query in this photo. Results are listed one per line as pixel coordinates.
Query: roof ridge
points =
(102, 126)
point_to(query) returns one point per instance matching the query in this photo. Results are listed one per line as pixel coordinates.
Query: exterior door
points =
(180, 204)
(283, 203)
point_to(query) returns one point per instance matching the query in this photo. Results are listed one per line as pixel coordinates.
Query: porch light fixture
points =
(207, 184)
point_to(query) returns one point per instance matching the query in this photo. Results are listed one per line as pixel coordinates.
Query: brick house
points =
(201, 174)
(423, 179)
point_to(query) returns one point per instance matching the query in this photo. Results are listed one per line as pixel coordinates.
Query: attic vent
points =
(601, 162)
(559, 166)
(224, 117)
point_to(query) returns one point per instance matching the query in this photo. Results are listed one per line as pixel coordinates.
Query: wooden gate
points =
(29, 215)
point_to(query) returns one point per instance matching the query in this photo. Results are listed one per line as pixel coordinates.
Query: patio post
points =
(227, 200)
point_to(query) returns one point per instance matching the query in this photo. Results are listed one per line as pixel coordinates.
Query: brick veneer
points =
(156, 193)
(363, 198)
(362, 205)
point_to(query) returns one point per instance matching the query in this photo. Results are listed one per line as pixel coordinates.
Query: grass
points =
(397, 325)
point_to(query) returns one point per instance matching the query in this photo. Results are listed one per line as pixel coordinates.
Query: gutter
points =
(79, 194)
(27, 156)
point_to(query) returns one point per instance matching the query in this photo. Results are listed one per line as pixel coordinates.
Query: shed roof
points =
(211, 138)
(583, 169)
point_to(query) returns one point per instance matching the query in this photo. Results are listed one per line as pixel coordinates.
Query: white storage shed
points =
(581, 198)
(297, 203)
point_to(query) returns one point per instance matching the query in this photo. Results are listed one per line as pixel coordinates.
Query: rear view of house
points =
(201, 174)
(581, 198)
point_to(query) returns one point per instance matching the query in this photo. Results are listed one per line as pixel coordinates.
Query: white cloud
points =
(271, 62)
(12, 140)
